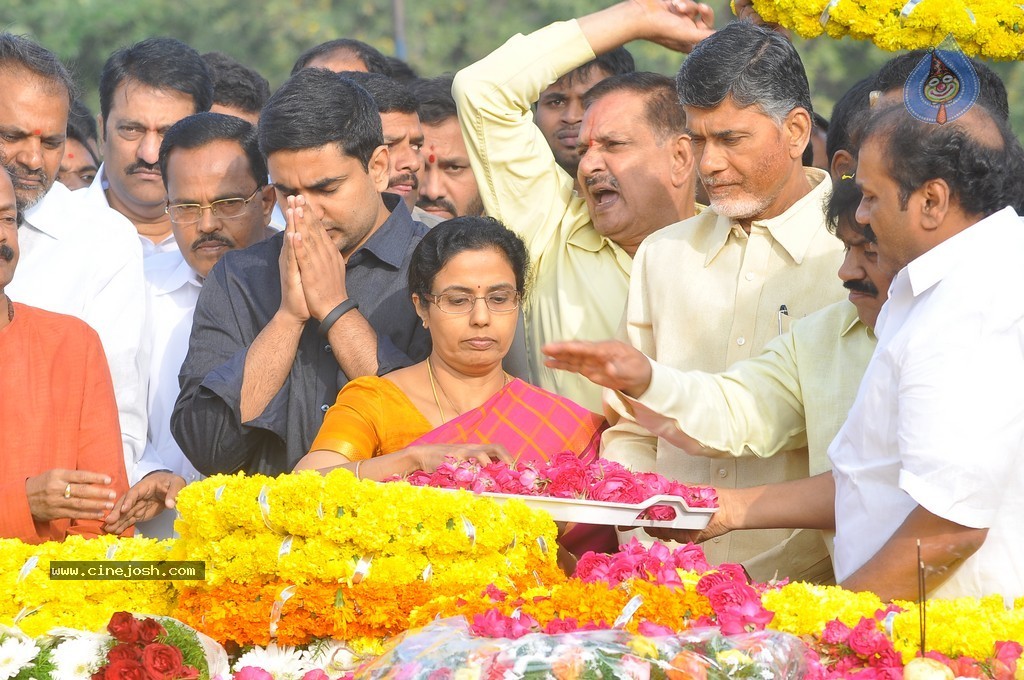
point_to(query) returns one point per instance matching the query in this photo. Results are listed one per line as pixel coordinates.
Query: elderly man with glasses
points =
(218, 199)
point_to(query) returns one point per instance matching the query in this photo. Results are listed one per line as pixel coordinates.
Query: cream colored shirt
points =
(580, 279)
(796, 393)
(704, 295)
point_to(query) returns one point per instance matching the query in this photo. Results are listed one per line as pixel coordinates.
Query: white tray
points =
(615, 514)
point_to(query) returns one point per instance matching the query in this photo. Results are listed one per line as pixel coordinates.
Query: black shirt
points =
(241, 295)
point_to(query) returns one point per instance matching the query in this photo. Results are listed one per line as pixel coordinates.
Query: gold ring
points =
(67, 490)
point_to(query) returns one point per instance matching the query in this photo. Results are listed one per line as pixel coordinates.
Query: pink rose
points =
(748, 617)
(866, 639)
(568, 479)
(559, 626)
(731, 594)
(495, 593)
(836, 632)
(649, 629)
(690, 557)
(316, 674)
(593, 567)
(252, 673)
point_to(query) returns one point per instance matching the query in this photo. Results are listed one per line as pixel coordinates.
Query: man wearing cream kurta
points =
(580, 247)
(714, 289)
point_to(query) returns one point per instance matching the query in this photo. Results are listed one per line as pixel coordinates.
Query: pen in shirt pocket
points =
(783, 312)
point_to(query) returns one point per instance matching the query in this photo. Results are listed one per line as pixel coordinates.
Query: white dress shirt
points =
(173, 289)
(96, 194)
(85, 261)
(939, 418)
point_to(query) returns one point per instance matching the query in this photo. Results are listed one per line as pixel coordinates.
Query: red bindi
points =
(431, 158)
(71, 155)
(37, 132)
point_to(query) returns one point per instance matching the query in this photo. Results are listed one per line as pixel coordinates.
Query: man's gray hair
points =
(753, 65)
(17, 51)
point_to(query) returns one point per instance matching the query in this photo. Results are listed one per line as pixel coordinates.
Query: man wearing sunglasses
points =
(218, 199)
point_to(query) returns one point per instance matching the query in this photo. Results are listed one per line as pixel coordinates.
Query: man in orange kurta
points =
(61, 461)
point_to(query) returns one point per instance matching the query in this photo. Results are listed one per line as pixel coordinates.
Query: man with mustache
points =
(61, 229)
(144, 90)
(636, 168)
(218, 200)
(280, 327)
(403, 134)
(714, 289)
(62, 464)
(447, 188)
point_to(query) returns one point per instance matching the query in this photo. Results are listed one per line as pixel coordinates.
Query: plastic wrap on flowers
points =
(447, 649)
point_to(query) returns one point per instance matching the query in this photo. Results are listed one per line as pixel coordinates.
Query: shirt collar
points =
(169, 272)
(932, 266)
(50, 215)
(390, 242)
(794, 229)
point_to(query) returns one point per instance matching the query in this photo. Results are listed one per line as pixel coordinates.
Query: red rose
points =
(161, 662)
(124, 669)
(189, 673)
(150, 630)
(124, 652)
(124, 627)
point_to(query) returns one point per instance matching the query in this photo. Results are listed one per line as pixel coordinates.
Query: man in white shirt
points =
(76, 259)
(218, 200)
(144, 90)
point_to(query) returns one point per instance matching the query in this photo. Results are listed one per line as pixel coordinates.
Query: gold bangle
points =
(358, 463)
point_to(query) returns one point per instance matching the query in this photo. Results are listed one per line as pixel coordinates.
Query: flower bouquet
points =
(450, 648)
(130, 649)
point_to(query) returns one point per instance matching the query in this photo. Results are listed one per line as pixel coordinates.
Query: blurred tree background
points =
(440, 35)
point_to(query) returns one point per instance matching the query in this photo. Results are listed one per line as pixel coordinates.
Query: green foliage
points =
(440, 35)
(184, 638)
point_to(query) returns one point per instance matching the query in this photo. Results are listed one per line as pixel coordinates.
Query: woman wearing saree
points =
(467, 279)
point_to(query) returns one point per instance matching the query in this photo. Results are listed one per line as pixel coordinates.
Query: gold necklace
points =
(433, 390)
(506, 378)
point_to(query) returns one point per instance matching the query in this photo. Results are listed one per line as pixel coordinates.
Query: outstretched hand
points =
(722, 522)
(153, 494)
(610, 363)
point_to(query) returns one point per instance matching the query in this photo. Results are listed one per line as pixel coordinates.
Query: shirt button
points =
(327, 348)
(741, 341)
(716, 540)
(750, 276)
(324, 407)
(722, 472)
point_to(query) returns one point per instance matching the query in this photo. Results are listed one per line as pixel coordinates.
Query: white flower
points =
(15, 654)
(284, 663)
(78, 658)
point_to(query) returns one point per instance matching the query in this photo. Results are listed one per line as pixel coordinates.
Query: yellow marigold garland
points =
(988, 28)
(87, 605)
(352, 557)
